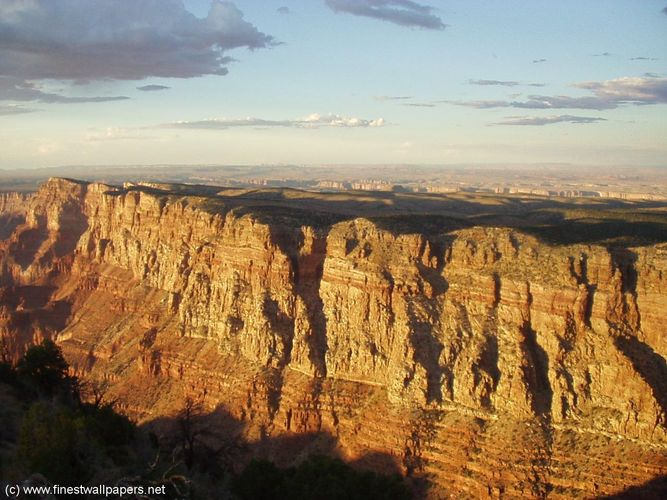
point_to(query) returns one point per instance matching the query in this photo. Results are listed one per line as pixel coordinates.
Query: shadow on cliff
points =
(26, 244)
(224, 434)
(215, 442)
(556, 222)
(32, 315)
(74, 223)
(651, 367)
(369, 203)
(548, 227)
(536, 372)
(42, 245)
(8, 223)
(653, 489)
(611, 232)
(307, 268)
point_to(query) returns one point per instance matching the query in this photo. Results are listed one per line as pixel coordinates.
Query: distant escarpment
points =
(478, 352)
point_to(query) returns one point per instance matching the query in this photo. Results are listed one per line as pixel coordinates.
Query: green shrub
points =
(7, 373)
(319, 477)
(50, 443)
(260, 480)
(112, 432)
(44, 369)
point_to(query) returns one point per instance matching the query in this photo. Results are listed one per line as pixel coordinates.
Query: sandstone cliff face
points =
(13, 208)
(11, 202)
(490, 360)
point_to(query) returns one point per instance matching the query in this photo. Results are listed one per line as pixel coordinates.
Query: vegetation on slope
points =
(50, 435)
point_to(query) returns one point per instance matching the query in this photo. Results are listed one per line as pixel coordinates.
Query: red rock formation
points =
(486, 359)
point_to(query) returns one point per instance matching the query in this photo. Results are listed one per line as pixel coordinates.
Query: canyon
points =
(488, 344)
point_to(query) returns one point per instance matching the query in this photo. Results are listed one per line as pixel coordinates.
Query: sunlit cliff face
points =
(483, 356)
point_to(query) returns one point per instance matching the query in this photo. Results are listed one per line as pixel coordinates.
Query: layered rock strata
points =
(481, 358)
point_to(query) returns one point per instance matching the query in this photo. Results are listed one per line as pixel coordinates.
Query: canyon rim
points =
(412, 332)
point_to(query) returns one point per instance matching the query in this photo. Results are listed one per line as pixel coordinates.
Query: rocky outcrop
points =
(11, 202)
(13, 208)
(483, 358)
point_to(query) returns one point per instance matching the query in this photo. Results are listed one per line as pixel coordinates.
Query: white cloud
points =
(313, 121)
(114, 134)
(635, 90)
(316, 120)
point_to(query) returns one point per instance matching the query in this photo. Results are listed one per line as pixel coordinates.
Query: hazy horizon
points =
(387, 165)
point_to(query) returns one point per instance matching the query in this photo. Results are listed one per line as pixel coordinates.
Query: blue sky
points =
(332, 81)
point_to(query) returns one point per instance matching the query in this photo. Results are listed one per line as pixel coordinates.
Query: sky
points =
(131, 82)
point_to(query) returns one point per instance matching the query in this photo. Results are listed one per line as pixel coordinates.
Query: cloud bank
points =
(609, 94)
(83, 40)
(542, 102)
(503, 83)
(115, 134)
(152, 88)
(401, 12)
(14, 110)
(392, 97)
(548, 120)
(312, 121)
(634, 90)
(13, 89)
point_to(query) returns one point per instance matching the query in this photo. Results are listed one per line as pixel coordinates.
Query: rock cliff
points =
(477, 355)
(13, 208)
